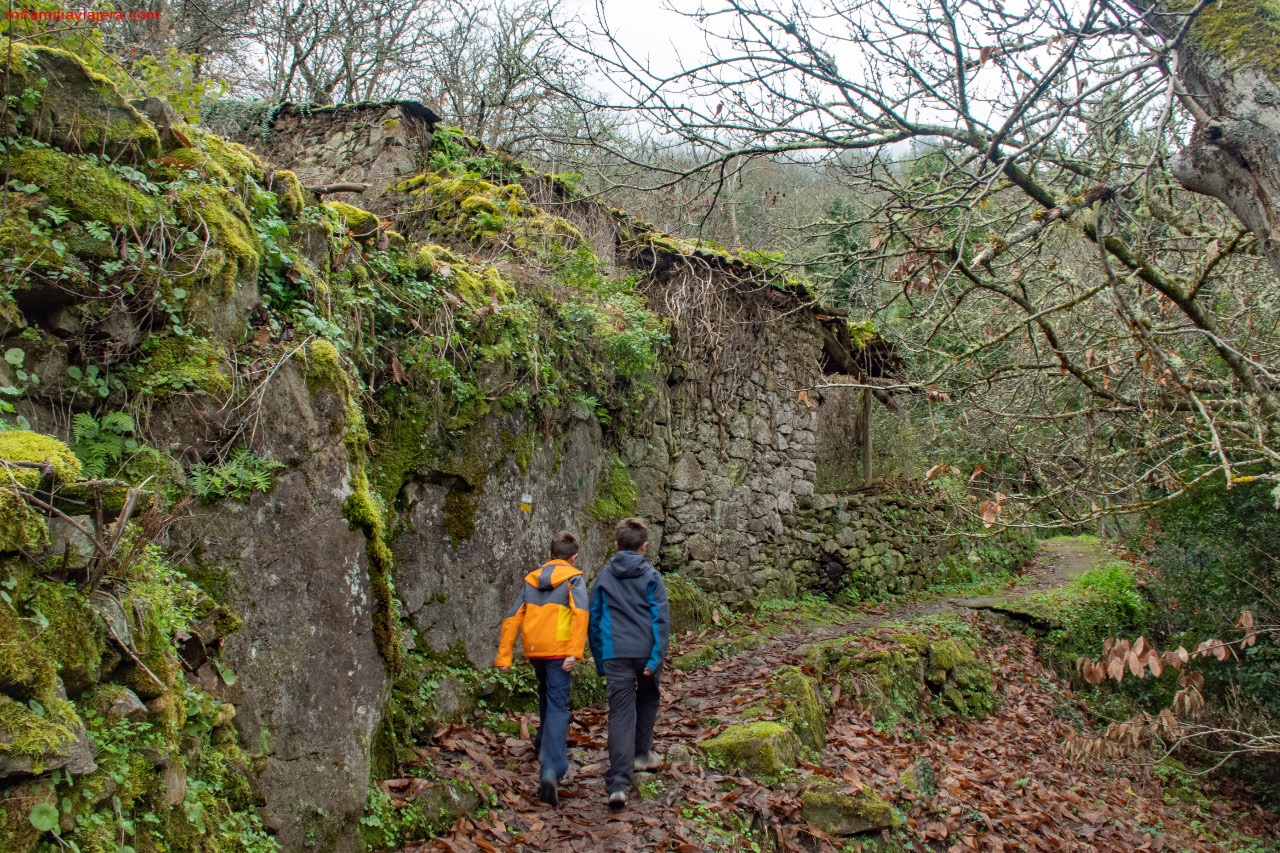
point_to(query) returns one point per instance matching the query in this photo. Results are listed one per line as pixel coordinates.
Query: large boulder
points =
(835, 810)
(762, 750)
(76, 109)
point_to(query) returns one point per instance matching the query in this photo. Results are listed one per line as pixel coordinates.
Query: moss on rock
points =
(690, 607)
(324, 368)
(21, 527)
(88, 189)
(802, 706)
(836, 811)
(616, 495)
(289, 194)
(26, 446)
(762, 750)
(218, 214)
(182, 363)
(360, 222)
(948, 653)
(77, 109)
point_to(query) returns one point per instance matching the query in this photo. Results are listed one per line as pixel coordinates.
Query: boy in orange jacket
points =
(551, 617)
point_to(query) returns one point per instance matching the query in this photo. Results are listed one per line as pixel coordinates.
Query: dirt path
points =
(1005, 782)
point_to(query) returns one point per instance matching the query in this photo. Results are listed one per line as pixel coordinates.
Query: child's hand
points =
(648, 672)
(568, 663)
(503, 668)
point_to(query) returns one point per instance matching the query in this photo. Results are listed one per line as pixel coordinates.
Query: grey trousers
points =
(633, 710)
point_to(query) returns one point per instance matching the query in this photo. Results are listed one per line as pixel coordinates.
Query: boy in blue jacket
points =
(629, 630)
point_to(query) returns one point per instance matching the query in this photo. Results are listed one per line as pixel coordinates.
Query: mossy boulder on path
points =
(762, 750)
(690, 607)
(802, 705)
(835, 810)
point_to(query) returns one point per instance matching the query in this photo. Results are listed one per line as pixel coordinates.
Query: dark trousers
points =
(633, 709)
(553, 716)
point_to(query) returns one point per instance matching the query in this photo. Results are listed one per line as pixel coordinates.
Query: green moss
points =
(1240, 33)
(399, 443)
(460, 515)
(73, 639)
(181, 364)
(762, 750)
(802, 706)
(360, 222)
(24, 446)
(616, 495)
(587, 689)
(364, 511)
(77, 109)
(479, 204)
(21, 527)
(222, 156)
(289, 194)
(828, 806)
(87, 189)
(889, 682)
(37, 737)
(191, 159)
(216, 213)
(324, 369)
(168, 711)
(949, 653)
(690, 607)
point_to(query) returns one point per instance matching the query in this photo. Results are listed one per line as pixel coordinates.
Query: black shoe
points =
(548, 790)
(618, 800)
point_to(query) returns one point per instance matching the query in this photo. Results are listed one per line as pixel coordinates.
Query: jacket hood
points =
(551, 575)
(628, 564)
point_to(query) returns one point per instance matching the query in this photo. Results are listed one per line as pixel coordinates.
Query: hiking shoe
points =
(647, 762)
(548, 789)
(618, 800)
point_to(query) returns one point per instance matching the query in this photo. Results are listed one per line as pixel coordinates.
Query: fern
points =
(101, 445)
(244, 473)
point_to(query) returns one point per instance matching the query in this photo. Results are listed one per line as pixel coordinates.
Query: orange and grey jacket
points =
(550, 615)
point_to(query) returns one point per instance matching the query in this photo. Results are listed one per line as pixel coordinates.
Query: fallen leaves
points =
(1008, 782)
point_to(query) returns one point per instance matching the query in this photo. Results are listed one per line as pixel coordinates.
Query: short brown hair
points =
(564, 545)
(630, 534)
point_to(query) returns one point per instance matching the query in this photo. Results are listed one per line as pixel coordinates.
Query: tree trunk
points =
(1229, 65)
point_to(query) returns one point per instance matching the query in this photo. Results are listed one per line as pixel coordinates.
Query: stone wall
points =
(377, 144)
(873, 545)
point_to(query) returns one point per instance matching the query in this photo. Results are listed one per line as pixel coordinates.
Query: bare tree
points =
(1110, 336)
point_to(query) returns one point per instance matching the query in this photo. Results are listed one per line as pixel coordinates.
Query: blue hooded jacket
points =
(630, 617)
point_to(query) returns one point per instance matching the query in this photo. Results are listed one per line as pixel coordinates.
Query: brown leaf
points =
(1244, 621)
(1115, 669)
(397, 370)
(976, 471)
